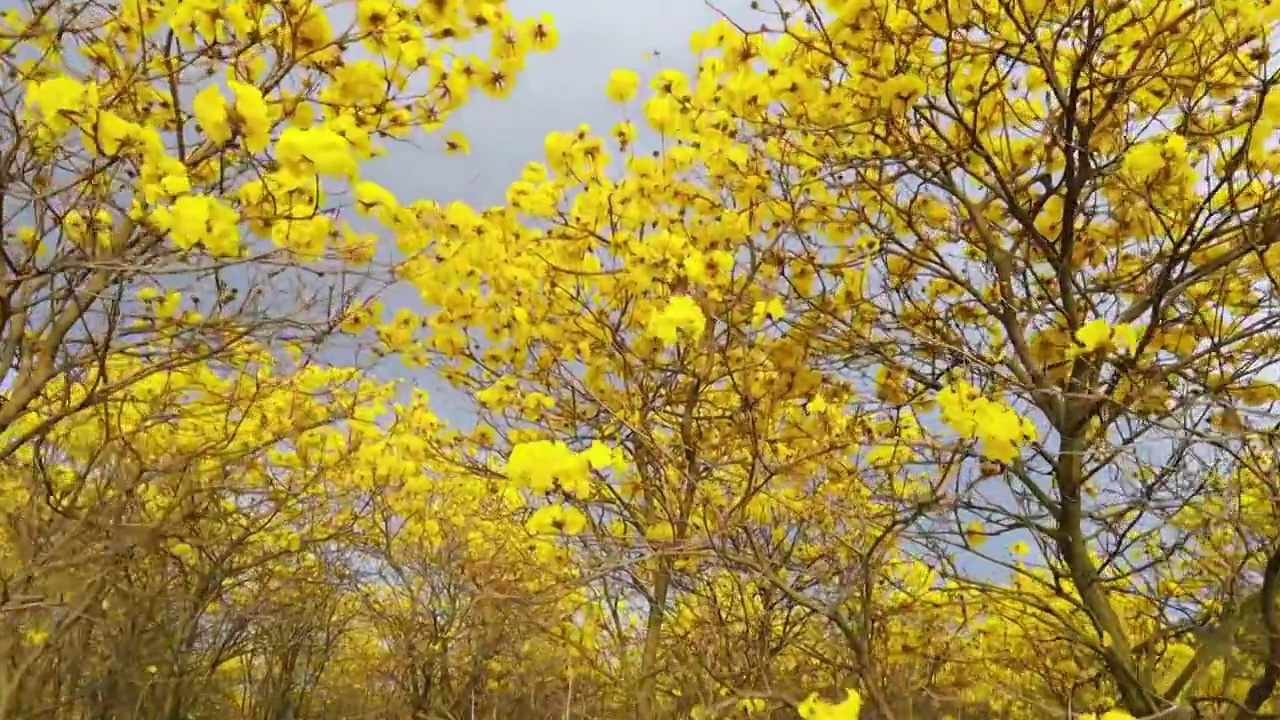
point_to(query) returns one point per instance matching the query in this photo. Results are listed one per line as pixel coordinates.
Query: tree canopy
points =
(894, 359)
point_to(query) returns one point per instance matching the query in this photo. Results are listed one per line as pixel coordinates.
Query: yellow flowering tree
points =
(185, 176)
(912, 354)
(189, 476)
(1049, 229)
(1003, 292)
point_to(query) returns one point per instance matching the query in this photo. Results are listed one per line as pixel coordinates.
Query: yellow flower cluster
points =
(1099, 336)
(681, 315)
(1112, 714)
(553, 519)
(1165, 156)
(814, 709)
(544, 465)
(998, 428)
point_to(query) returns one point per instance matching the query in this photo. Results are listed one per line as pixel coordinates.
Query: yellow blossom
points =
(622, 85)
